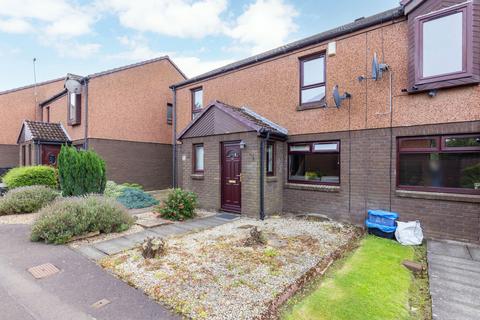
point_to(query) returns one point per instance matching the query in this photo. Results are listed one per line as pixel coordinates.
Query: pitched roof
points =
(250, 120)
(43, 131)
(358, 24)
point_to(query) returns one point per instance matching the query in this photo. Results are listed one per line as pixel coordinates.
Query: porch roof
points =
(211, 122)
(42, 131)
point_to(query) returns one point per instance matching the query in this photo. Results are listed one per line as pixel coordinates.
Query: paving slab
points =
(449, 249)
(114, 246)
(90, 252)
(164, 231)
(454, 281)
(474, 252)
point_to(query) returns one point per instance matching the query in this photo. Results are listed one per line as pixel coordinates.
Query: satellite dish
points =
(378, 68)
(339, 98)
(73, 86)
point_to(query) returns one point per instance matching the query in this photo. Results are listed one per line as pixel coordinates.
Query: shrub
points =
(115, 190)
(75, 216)
(80, 172)
(133, 198)
(30, 176)
(26, 199)
(180, 205)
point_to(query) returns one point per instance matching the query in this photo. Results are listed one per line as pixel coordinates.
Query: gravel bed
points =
(25, 218)
(212, 274)
(105, 236)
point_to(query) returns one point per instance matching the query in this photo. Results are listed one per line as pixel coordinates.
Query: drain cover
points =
(43, 270)
(100, 303)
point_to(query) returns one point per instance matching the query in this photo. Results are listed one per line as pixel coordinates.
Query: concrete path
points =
(454, 272)
(67, 295)
(99, 250)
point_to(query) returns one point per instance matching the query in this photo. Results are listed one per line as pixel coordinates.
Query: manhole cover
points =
(43, 270)
(100, 303)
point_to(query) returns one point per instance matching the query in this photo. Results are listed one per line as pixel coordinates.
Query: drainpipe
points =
(174, 138)
(85, 139)
(264, 136)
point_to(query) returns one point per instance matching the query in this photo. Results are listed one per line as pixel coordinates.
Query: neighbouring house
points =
(381, 113)
(124, 114)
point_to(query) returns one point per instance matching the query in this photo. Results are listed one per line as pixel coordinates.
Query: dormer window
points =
(74, 109)
(443, 44)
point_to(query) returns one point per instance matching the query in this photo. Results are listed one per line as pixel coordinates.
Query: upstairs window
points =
(169, 113)
(314, 163)
(74, 109)
(312, 80)
(198, 158)
(440, 163)
(197, 101)
(443, 44)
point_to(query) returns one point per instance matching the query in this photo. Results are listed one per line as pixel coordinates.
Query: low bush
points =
(31, 176)
(115, 190)
(180, 205)
(133, 198)
(26, 199)
(62, 220)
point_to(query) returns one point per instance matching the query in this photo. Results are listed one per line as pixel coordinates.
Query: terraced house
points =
(383, 112)
(124, 114)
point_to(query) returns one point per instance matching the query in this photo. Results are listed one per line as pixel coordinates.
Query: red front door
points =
(231, 173)
(50, 154)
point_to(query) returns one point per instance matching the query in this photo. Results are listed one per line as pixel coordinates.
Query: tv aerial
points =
(339, 98)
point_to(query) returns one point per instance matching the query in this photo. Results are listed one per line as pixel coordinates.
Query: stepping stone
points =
(448, 249)
(90, 252)
(139, 237)
(474, 252)
(114, 246)
(227, 216)
(150, 223)
(164, 231)
(194, 224)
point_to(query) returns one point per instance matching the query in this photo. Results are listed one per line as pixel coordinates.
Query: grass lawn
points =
(371, 283)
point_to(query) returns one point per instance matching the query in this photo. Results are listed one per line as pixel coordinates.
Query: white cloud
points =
(178, 18)
(264, 25)
(46, 17)
(14, 25)
(138, 50)
(77, 50)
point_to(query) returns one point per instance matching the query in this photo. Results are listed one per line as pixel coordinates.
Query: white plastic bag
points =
(409, 233)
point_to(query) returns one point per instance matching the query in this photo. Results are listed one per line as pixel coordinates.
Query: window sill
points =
(317, 105)
(271, 179)
(444, 84)
(197, 176)
(312, 187)
(438, 196)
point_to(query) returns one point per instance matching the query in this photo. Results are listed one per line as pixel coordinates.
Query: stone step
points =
(91, 252)
(114, 246)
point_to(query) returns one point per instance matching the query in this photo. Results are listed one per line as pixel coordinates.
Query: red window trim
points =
(440, 149)
(310, 144)
(307, 58)
(467, 69)
(195, 110)
(272, 172)
(194, 158)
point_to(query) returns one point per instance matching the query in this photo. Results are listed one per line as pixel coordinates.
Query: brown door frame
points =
(222, 159)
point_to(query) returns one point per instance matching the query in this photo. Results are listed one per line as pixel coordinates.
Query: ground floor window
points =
(440, 163)
(198, 158)
(314, 162)
(270, 158)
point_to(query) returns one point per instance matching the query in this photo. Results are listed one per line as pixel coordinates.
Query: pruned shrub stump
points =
(255, 238)
(153, 248)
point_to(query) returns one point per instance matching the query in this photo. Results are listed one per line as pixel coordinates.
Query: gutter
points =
(85, 141)
(264, 136)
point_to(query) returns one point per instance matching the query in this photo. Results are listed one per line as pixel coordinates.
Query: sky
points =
(84, 37)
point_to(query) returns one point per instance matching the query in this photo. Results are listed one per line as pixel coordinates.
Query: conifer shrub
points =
(81, 172)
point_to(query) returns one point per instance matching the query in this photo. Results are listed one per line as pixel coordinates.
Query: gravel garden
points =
(241, 270)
